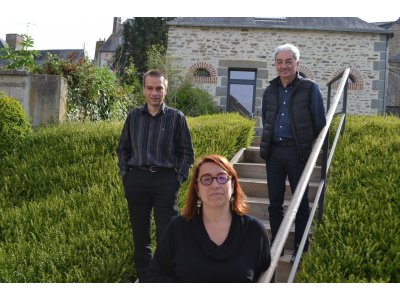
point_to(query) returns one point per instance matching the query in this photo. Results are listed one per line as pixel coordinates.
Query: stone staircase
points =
(253, 179)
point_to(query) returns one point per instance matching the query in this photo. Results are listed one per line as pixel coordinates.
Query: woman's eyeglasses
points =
(221, 178)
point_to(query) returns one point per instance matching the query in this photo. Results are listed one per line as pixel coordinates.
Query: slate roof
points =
(3, 43)
(111, 44)
(387, 25)
(350, 24)
(64, 54)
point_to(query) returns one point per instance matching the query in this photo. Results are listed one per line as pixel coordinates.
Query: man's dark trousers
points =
(143, 191)
(282, 162)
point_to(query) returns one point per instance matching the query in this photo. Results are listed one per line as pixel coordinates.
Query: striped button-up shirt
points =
(162, 140)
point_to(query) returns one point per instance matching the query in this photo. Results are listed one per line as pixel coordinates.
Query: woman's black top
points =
(187, 254)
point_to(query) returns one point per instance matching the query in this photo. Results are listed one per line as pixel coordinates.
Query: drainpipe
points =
(385, 89)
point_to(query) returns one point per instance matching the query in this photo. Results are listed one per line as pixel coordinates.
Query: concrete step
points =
(252, 178)
(258, 170)
(252, 155)
(258, 207)
(289, 244)
(256, 140)
(284, 267)
(258, 188)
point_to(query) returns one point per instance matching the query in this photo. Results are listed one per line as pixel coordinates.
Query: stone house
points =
(105, 50)
(232, 58)
(393, 103)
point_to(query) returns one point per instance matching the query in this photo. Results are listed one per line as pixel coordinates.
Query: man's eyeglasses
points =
(221, 178)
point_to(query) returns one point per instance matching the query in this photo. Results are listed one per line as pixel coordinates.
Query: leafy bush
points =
(64, 217)
(94, 93)
(359, 238)
(193, 101)
(14, 124)
(23, 59)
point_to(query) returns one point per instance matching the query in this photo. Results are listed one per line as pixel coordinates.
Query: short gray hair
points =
(288, 47)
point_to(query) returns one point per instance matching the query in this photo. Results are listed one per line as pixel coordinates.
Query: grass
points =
(359, 239)
(64, 217)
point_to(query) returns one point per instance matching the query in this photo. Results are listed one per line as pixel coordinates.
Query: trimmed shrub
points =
(359, 238)
(222, 134)
(64, 217)
(14, 124)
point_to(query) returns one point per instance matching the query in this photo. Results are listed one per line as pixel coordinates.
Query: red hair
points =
(238, 204)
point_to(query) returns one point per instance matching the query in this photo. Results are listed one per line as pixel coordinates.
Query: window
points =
(356, 80)
(241, 91)
(202, 72)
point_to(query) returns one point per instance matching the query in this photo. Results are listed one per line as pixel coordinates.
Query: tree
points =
(139, 35)
(20, 59)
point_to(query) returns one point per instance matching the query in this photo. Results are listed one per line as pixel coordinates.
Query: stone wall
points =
(394, 85)
(394, 43)
(323, 54)
(42, 96)
(394, 70)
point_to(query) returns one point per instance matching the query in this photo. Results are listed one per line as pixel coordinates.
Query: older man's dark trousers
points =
(144, 192)
(284, 162)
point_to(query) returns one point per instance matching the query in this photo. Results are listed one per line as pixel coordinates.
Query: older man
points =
(292, 116)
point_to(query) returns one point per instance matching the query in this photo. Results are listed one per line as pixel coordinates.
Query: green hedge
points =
(359, 239)
(14, 124)
(223, 134)
(63, 213)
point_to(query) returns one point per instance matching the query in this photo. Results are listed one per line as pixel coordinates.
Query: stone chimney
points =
(116, 25)
(14, 41)
(99, 43)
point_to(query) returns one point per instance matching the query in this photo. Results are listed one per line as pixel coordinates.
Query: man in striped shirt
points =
(155, 153)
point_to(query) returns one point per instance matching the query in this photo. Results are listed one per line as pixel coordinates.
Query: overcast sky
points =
(75, 24)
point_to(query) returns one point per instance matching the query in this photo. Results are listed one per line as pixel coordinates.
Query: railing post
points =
(344, 109)
(328, 100)
(323, 175)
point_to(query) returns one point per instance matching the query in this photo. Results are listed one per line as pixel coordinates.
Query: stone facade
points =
(394, 43)
(394, 68)
(323, 54)
(105, 50)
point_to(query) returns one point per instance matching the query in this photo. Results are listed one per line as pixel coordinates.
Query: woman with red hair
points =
(213, 240)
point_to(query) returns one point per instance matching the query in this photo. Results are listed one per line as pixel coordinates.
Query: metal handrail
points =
(297, 196)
